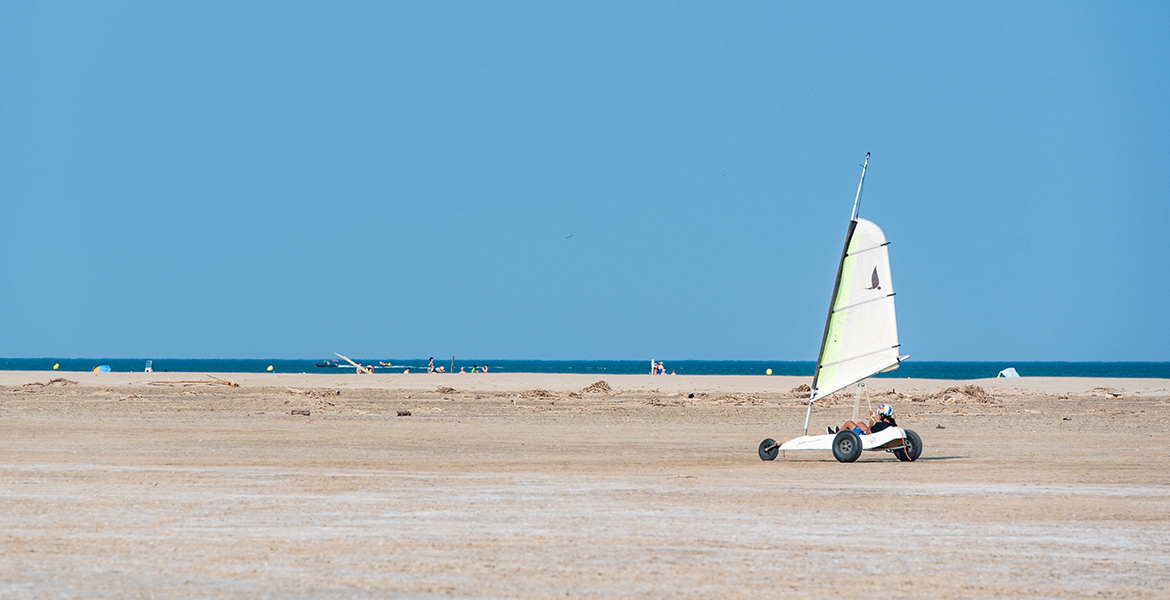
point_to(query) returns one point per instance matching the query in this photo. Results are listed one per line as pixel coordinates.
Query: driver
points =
(882, 419)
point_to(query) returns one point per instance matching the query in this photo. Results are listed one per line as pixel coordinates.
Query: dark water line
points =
(915, 369)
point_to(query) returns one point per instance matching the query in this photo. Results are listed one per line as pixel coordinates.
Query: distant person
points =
(485, 368)
(431, 365)
(672, 372)
(475, 368)
(882, 419)
(460, 370)
(440, 369)
(406, 371)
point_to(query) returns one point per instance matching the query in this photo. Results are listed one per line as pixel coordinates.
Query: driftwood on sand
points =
(213, 381)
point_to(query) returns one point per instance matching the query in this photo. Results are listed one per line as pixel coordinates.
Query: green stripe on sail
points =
(828, 375)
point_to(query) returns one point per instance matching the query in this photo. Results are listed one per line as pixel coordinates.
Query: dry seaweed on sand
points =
(600, 387)
(59, 381)
(800, 390)
(738, 399)
(663, 402)
(960, 395)
(315, 393)
(442, 389)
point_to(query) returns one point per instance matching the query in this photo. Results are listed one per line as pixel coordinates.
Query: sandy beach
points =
(542, 485)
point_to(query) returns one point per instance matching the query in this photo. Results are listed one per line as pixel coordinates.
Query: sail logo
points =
(874, 282)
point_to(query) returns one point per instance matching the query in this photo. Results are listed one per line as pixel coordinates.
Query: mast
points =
(857, 200)
(836, 287)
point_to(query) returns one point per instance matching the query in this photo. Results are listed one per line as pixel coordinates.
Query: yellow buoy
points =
(768, 372)
(56, 365)
(269, 367)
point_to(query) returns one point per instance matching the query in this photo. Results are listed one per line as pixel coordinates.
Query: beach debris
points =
(738, 399)
(538, 394)
(213, 381)
(659, 402)
(323, 397)
(800, 390)
(315, 393)
(1106, 391)
(600, 387)
(442, 389)
(960, 395)
(939, 427)
(404, 413)
(300, 412)
(58, 381)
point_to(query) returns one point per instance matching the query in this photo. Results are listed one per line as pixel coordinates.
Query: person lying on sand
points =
(883, 419)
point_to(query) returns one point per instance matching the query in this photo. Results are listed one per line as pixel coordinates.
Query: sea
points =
(910, 368)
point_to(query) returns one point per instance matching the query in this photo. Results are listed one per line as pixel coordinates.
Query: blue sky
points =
(578, 180)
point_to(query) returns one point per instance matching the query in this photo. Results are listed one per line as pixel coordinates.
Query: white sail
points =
(861, 333)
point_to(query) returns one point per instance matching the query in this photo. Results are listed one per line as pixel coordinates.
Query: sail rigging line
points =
(856, 304)
(845, 360)
(878, 247)
(861, 391)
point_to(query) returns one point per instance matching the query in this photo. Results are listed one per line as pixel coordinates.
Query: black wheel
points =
(846, 446)
(913, 448)
(769, 449)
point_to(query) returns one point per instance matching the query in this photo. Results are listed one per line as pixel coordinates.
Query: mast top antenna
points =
(857, 200)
